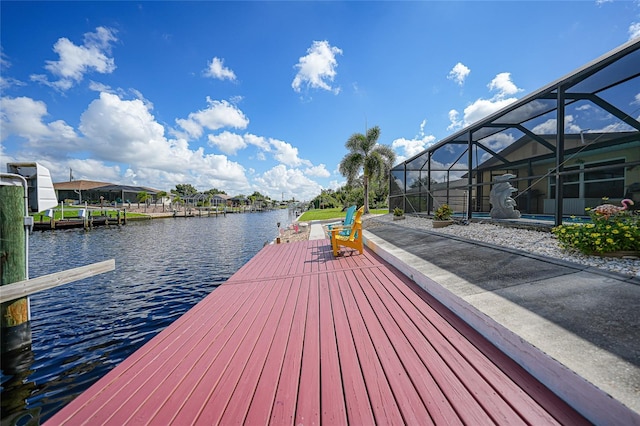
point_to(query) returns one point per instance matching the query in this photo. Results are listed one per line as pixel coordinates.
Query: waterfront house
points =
(574, 141)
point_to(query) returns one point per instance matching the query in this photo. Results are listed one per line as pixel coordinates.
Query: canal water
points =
(82, 330)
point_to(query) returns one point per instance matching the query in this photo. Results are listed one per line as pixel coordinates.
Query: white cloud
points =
(216, 69)
(634, 30)
(4, 61)
(227, 142)
(7, 82)
(317, 171)
(217, 115)
(407, 148)
(318, 68)
(481, 108)
(24, 117)
(231, 143)
(91, 169)
(503, 85)
(484, 107)
(458, 73)
(258, 141)
(291, 182)
(334, 184)
(287, 154)
(549, 127)
(76, 61)
(497, 143)
(99, 87)
(455, 122)
(124, 131)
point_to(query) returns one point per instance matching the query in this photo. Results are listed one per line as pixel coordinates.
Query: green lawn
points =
(337, 213)
(72, 212)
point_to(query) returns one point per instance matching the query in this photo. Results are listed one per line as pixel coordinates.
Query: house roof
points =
(79, 185)
(223, 196)
(86, 185)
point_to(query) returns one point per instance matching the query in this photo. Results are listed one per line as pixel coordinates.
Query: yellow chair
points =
(353, 240)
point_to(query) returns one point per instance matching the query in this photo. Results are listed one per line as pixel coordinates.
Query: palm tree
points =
(143, 197)
(160, 195)
(365, 153)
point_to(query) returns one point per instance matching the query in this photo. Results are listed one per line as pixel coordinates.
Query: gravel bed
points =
(537, 242)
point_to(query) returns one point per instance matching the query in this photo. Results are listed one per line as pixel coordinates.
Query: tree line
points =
(186, 191)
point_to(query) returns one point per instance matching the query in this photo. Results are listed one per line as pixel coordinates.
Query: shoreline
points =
(531, 241)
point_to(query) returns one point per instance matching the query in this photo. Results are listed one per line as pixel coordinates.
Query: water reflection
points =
(81, 330)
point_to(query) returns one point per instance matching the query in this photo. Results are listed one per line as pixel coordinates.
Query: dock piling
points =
(14, 315)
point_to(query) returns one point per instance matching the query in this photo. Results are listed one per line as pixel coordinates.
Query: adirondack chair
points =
(353, 240)
(348, 221)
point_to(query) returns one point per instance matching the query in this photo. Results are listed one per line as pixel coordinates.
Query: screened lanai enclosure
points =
(567, 146)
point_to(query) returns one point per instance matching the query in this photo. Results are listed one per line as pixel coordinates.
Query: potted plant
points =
(442, 216)
(398, 213)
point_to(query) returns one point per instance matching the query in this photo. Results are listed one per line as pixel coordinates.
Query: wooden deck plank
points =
(444, 389)
(284, 409)
(466, 381)
(287, 260)
(152, 375)
(182, 361)
(308, 408)
(358, 405)
(203, 367)
(240, 378)
(299, 261)
(382, 400)
(422, 367)
(331, 393)
(411, 406)
(261, 264)
(262, 401)
(297, 336)
(216, 377)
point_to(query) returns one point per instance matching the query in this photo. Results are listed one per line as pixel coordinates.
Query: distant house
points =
(220, 200)
(239, 201)
(81, 191)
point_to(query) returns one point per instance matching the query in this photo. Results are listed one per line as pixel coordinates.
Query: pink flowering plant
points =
(604, 234)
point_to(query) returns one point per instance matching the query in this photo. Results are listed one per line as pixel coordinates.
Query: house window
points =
(571, 187)
(592, 183)
(604, 183)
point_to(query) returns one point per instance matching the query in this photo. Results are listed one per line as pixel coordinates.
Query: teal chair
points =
(347, 222)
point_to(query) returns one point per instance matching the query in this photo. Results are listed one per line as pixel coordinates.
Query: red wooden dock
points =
(299, 337)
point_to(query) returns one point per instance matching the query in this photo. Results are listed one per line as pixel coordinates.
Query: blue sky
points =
(262, 96)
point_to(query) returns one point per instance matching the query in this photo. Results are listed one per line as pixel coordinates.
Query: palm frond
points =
(350, 166)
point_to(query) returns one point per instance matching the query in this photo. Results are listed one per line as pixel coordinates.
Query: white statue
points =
(503, 206)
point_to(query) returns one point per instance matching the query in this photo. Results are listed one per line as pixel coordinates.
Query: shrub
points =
(620, 232)
(443, 212)
(398, 211)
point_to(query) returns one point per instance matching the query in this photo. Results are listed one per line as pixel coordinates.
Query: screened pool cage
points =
(567, 145)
